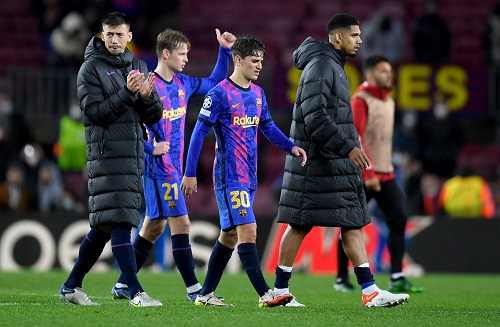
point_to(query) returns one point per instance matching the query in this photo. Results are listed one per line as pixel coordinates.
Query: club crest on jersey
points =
(242, 212)
(172, 205)
(259, 103)
(181, 94)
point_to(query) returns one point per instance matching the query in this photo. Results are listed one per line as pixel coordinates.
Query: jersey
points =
(174, 96)
(235, 114)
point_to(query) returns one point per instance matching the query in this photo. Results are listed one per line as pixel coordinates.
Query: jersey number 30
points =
(240, 199)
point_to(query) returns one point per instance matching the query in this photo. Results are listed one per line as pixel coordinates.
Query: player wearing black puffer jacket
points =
(117, 96)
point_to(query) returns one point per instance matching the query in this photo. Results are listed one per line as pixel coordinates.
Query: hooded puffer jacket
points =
(328, 191)
(114, 131)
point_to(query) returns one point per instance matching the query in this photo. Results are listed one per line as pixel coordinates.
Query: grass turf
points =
(31, 299)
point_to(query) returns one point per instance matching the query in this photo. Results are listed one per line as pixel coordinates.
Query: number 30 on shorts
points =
(239, 199)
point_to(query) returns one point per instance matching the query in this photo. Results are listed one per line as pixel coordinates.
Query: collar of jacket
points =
(96, 49)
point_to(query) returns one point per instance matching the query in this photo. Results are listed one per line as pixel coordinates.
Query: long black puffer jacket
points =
(328, 191)
(113, 118)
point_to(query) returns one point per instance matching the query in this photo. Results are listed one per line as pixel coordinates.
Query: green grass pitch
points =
(31, 299)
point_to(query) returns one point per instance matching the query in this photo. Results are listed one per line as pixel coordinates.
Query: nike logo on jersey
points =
(109, 73)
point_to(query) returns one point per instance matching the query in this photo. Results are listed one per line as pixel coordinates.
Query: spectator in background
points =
(405, 133)
(6, 150)
(93, 11)
(70, 150)
(491, 42)
(15, 129)
(69, 40)
(441, 137)
(466, 196)
(384, 33)
(491, 37)
(32, 156)
(154, 16)
(14, 195)
(50, 187)
(431, 36)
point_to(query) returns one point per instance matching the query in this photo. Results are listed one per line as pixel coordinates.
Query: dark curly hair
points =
(245, 46)
(341, 21)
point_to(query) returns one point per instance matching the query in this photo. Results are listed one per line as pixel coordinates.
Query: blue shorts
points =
(163, 198)
(235, 207)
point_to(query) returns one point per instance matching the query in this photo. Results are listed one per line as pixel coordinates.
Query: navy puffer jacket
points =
(113, 119)
(328, 191)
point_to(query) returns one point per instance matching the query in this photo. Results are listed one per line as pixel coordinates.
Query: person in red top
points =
(373, 110)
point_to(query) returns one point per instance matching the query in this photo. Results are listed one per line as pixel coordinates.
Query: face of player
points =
(382, 74)
(250, 67)
(177, 59)
(350, 40)
(116, 38)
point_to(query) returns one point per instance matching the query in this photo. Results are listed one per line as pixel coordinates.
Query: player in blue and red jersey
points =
(164, 151)
(236, 108)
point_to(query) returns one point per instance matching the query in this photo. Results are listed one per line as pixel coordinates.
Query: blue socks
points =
(183, 257)
(90, 250)
(142, 247)
(216, 264)
(282, 278)
(364, 276)
(250, 260)
(123, 252)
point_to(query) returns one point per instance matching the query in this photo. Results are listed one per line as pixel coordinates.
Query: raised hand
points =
(225, 39)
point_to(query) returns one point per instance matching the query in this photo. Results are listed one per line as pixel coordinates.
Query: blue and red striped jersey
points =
(174, 96)
(235, 113)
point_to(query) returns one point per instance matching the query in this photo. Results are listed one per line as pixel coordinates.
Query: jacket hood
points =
(96, 49)
(311, 48)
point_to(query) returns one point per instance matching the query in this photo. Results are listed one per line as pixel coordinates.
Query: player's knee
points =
(152, 232)
(179, 226)
(229, 238)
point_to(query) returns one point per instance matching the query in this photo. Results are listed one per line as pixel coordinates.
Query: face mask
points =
(75, 112)
(409, 120)
(440, 110)
(6, 108)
